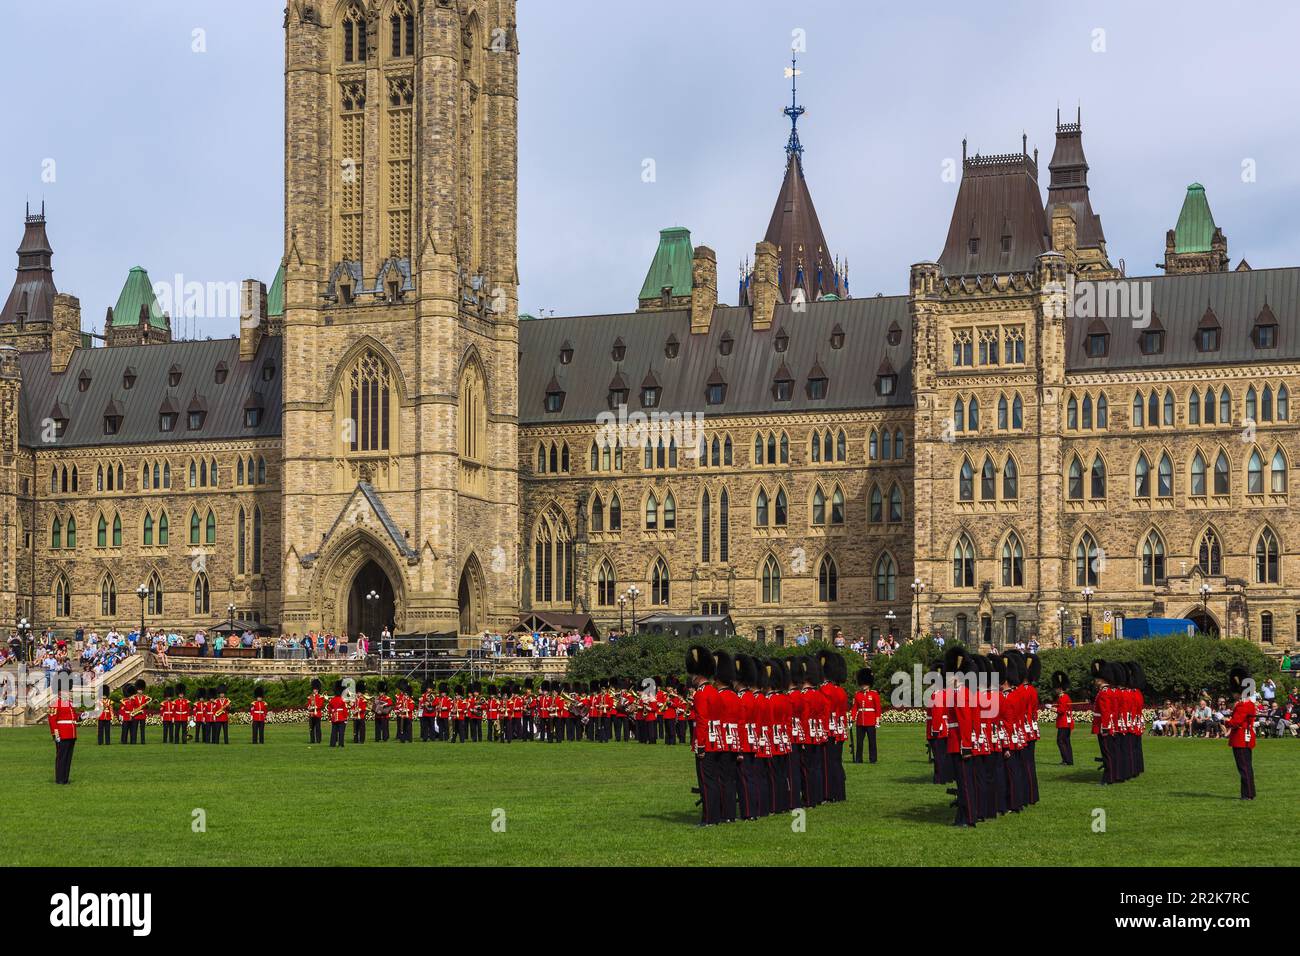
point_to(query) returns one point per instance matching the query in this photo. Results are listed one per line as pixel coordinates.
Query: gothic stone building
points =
(1037, 440)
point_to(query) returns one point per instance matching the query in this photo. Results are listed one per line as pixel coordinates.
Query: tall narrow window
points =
(1013, 562)
(963, 563)
(886, 579)
(257, 540)
(606, 584)
(1086, 564)
(241, 548)
(369, 393)
(660, 584)
(108, 597)
(202, 595)
(724, 527)
(828, 580)
(771, 581)
(1266, 558)
(1210, 555)
(705, 547)
(1153, 559)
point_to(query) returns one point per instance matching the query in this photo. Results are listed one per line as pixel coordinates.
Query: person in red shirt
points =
(315, 711)
(140, 713)
(221, 716)
(63, 729)
(1029, 715)
(165, 712)
(748, 791)
(810, 710)
(1064, 717)
(958, 669)
(442, 727)
(257, 712)
(338, 714)
(105, 721)
(936, 727)
(383, 712)
(1101, 715)
(707, 741)
(360, 706)
(724, 676)
(834, 675)
(866, 713)
(1241, 727)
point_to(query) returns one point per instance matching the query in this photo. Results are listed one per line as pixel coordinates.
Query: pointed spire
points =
(794, 110)
(33, 291)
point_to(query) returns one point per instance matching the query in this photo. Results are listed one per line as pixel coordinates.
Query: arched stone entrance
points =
(1204, 621)
(470, 596)
(372, 604)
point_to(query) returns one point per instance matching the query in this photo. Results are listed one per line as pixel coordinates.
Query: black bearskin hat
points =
(1002, 665)
(1060, 681)
(221, 689)
(361, 687)
(443, 687)
(315, 683)
(180, 690)
(746, 670)
(200, 694)
(167, 691)
(383, 686)
(724, 669)
(140, 685)
(528, 683)
(259, 691)
(811, 670)
(1237, 678)
(338, 687)
(865, 677)
(699, 661)
(1033, 668)
(957, 660)
(1139, 676)
(1099, 670)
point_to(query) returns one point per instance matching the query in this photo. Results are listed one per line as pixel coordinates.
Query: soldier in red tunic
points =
(728, 715)
(834, 675)
(360, 707)
(63, 729)
(257, 714)
(180, 716)
(866, 713)
(104, 723)
(1241, 727)
(748, 792)
(165, 713)
(221, 716)
(338, 714)
(315, 711)
(1064, 717)
(383, 712)
(707, 744)
(958, 669)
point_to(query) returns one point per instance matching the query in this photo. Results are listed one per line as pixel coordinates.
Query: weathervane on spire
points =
(794, 110)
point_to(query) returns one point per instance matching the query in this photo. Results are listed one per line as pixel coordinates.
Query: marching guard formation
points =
(1117, 720)
(769, 733)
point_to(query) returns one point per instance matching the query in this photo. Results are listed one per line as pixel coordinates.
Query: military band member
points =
(383, 712)
(201, 716)
(834, 675)
(104, 722)
(124, 712)
(221, 716)
(257, 712)
(141, 715)
(936, 730)
(1241, 727)
(180, 716)
(360, 707)
(958, 669)
(442, 726)
(165, 714)
(338, 714)
(315, 711)
(747, 789)
(866, 714)
(812, 709)
(428, 711)
(63, 729)
(1032, 671)
(708, 741)
(475, 708)
(1064, 717)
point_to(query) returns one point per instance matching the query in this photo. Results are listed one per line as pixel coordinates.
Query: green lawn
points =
(419, 804)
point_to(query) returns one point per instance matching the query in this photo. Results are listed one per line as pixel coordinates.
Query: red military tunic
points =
(866, 708)
(1242, 725)
(63, 721)
(1064, 716)
(338, 710)
(258, 710)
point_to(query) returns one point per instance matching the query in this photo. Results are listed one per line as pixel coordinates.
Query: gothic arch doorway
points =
(372, 604)
(469, 597)
(1204, 621)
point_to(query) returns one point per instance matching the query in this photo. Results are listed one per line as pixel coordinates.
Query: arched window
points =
(552, 558)
(144, 477)
(886, 445)
(1103, 412)
(1266, 558)
(781, 516)
(1266, 404)
(895, 504)
(1193, 408)
(367, 388)
(660, 584)
(597, 514)
(241, 547)
(354, 35)
(966, 482)
(1210, 555)
(828, 580)
(959, 415)
(1087, 411)
(1087, 563)
(1004, 417)
(785, 448)
(1010, 480)
(146, 537)
(899, 451)
(1252, 411)
(973, 414)
(1255, 474)
(819, 506)
(1013, 562)
(724, 528)
(201, 594)
(210, 529)
(194, 473)
(758, 449)
(670, 512)
(1277, 473)
(401, 26)
(471, 416)
(167, 474)
(555, 459)
(615, 514)
(1142, 477)
(760, 509)
(606, 584)
(1165, 477)
(107, 596)
(1198, 475)
(62, 596)
(726, 453)
(1168, 417)
(1153, 559)
(101, 533)
(706, 506)
(1283, 404)
(56, 533)
(771, 448)
(651, 513)
(1018, 412)
(876, 506)
(771, 581)
(1225, 406)
(117, 530)
(1222, 470)
(71, 536)
(162, 529)
(1137, 410)
(837, 506)
(873, 445)
(155, 594)
(988, 480)
(963, 563)
(239, 471)
(1153, 409)
(886, 578)
(1075, 480)
(1209, 406)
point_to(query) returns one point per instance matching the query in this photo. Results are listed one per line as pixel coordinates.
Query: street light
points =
(1062, 613)
(917, 587)
(1205, 617)
(890, 616)
(230, 617)
(622, 602)
(25, 633)
(1087, 614)
(633, 593)
(142, 592)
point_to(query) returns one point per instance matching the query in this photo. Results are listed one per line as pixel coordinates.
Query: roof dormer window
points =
(837, 336)
(726, 343)
(128, 378)
(783, 385)
(1265, 331)
(554, 396)
(782, 340)
(221, 373)
(715, 390)
(566, 352)
(671, 347)
(83, 381)
(174, 376)
(619, 351)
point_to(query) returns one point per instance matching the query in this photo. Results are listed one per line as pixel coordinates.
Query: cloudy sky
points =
(172, 159)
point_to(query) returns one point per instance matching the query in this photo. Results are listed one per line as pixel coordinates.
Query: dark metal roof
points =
(140, 405)
(33, 290)
(1069, 184)
(749, 370)
(797, 234)
(1182, 302)
(998, 197)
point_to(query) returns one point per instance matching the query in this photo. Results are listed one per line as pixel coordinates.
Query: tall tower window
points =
(354, 35)
(369, 391)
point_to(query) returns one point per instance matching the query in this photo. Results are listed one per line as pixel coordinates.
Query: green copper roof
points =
(137, 292)
(1195, 226)
(671, 265)
(275, 294)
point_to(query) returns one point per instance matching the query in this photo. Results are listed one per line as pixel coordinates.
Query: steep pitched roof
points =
(275, 294)
(671, 266)
(803, 255)
(998, 199)
(1069, 183)
(137, 293)
(1195, 228)
(33, 291)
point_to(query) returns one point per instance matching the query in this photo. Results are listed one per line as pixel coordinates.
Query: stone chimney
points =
(763, 287)
(1065, 233)
(252, 317)
(704, 289)
(65, 335)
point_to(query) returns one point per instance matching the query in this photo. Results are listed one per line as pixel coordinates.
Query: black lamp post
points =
(1205, 615)
(372, 601)
(633, 593)
(25, 635)
(1087, 615)
(622, 602)
(142, 592)
(917, 587)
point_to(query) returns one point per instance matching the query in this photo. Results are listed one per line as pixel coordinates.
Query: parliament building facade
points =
(1036, 442)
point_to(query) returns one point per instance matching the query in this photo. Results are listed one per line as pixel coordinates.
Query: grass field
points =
(289, 803)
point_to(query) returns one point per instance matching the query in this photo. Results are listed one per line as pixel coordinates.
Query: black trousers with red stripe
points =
(943, 772)
(778, 772)
(967, 790)
(728, 772)
(1064, 746)
(708, 771)
(747, 795)
(812, 769)
(1242, 755)
(1028, 755)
